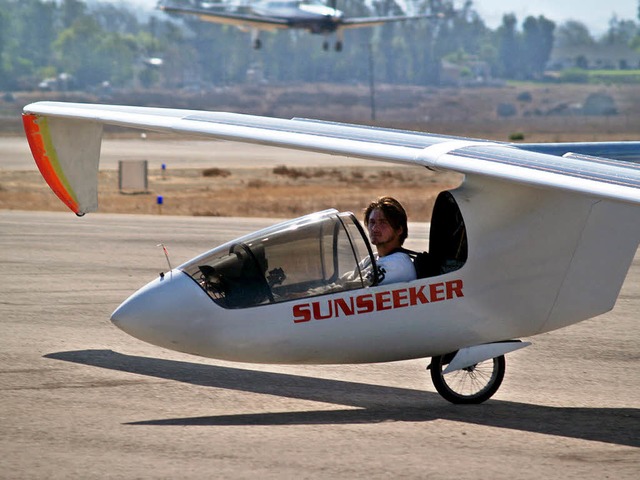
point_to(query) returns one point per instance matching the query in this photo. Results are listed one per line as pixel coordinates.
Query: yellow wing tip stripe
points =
(53, 158)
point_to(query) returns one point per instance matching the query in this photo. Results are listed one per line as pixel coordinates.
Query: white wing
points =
(63, 138)
(359, 22)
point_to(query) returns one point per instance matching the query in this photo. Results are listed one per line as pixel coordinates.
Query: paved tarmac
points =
(81, 399)
(180, 153)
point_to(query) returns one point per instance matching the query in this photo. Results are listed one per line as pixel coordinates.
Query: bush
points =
(574, 75)
(506, 110)
(215, 172)
(525, 97)
(600, 104)
(289, 172)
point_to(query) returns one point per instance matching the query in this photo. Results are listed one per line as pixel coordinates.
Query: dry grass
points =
(255, 192)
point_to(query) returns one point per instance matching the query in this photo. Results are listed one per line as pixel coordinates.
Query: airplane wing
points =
(228, 18)
(628, 151)
(65, 141)
(360, 22)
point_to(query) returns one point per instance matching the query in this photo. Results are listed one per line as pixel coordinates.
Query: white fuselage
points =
(315, 17)
(534, 266)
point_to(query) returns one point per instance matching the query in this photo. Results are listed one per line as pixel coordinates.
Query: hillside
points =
(541, 112)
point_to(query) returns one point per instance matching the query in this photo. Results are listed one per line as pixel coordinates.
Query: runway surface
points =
(181, 153)
(81, 399)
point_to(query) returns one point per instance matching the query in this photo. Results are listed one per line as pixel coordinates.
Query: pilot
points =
(386, 222)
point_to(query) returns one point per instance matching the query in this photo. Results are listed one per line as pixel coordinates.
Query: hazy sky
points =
(593, 13)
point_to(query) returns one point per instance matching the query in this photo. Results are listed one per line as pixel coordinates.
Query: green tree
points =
(71, 11)
(106, 42)
(573, 34)
(28, 33)
(3, 33)
(508, 47)
(116, 19)
(537, 43)
(620, 32)
(388, 64)
(93, 56)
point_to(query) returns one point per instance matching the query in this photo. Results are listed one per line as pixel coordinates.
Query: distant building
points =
(466, 73)
(595, 57)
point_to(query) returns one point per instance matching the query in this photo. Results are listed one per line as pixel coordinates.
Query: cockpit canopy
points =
(324, 252)
(312, 255)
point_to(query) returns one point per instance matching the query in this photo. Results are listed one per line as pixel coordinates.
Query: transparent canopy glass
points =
(308, 256)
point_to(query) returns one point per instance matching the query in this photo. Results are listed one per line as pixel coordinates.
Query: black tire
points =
(471, 385)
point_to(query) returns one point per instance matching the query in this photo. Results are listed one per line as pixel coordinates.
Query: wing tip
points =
(44, 154)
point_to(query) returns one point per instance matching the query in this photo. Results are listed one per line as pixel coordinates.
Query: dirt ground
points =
(82, 399)
(278, 192)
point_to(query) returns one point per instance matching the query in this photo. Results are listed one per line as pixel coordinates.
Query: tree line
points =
(97, 45)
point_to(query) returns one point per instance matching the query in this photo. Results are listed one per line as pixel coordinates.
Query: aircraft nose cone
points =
(166, 312)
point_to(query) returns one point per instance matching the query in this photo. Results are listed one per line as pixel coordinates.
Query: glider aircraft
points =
(310, 15)
(536, 238)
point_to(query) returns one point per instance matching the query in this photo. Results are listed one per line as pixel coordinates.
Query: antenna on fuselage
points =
(166, 254)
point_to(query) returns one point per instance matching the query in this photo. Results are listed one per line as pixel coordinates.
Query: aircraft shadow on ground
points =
(373, 403)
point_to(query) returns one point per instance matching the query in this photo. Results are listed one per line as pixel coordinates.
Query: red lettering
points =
(317, 312)
(381, 299)
(417, 294)
(454, 287)
(301, 313)
(399, 298)
(341, 304)
(364, 303)
(436, 291)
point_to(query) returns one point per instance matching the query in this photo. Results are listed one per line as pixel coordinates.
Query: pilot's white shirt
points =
(396, 267)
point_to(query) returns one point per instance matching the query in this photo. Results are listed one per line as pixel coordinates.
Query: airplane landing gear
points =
(338, 46)
(257, 44)
(471, 385)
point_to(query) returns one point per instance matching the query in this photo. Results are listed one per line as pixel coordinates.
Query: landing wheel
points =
(257, 44)
(338, 46)
(474, 384)
(325, 46)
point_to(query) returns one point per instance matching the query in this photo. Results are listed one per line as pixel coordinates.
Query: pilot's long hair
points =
(394, 213)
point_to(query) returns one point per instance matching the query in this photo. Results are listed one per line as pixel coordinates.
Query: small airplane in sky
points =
(536, 238)
(310, 15)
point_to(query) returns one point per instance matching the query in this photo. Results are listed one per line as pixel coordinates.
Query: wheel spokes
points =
(471, 380)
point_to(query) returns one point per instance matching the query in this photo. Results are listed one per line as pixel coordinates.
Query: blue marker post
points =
(159, 202)
(164, 171)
